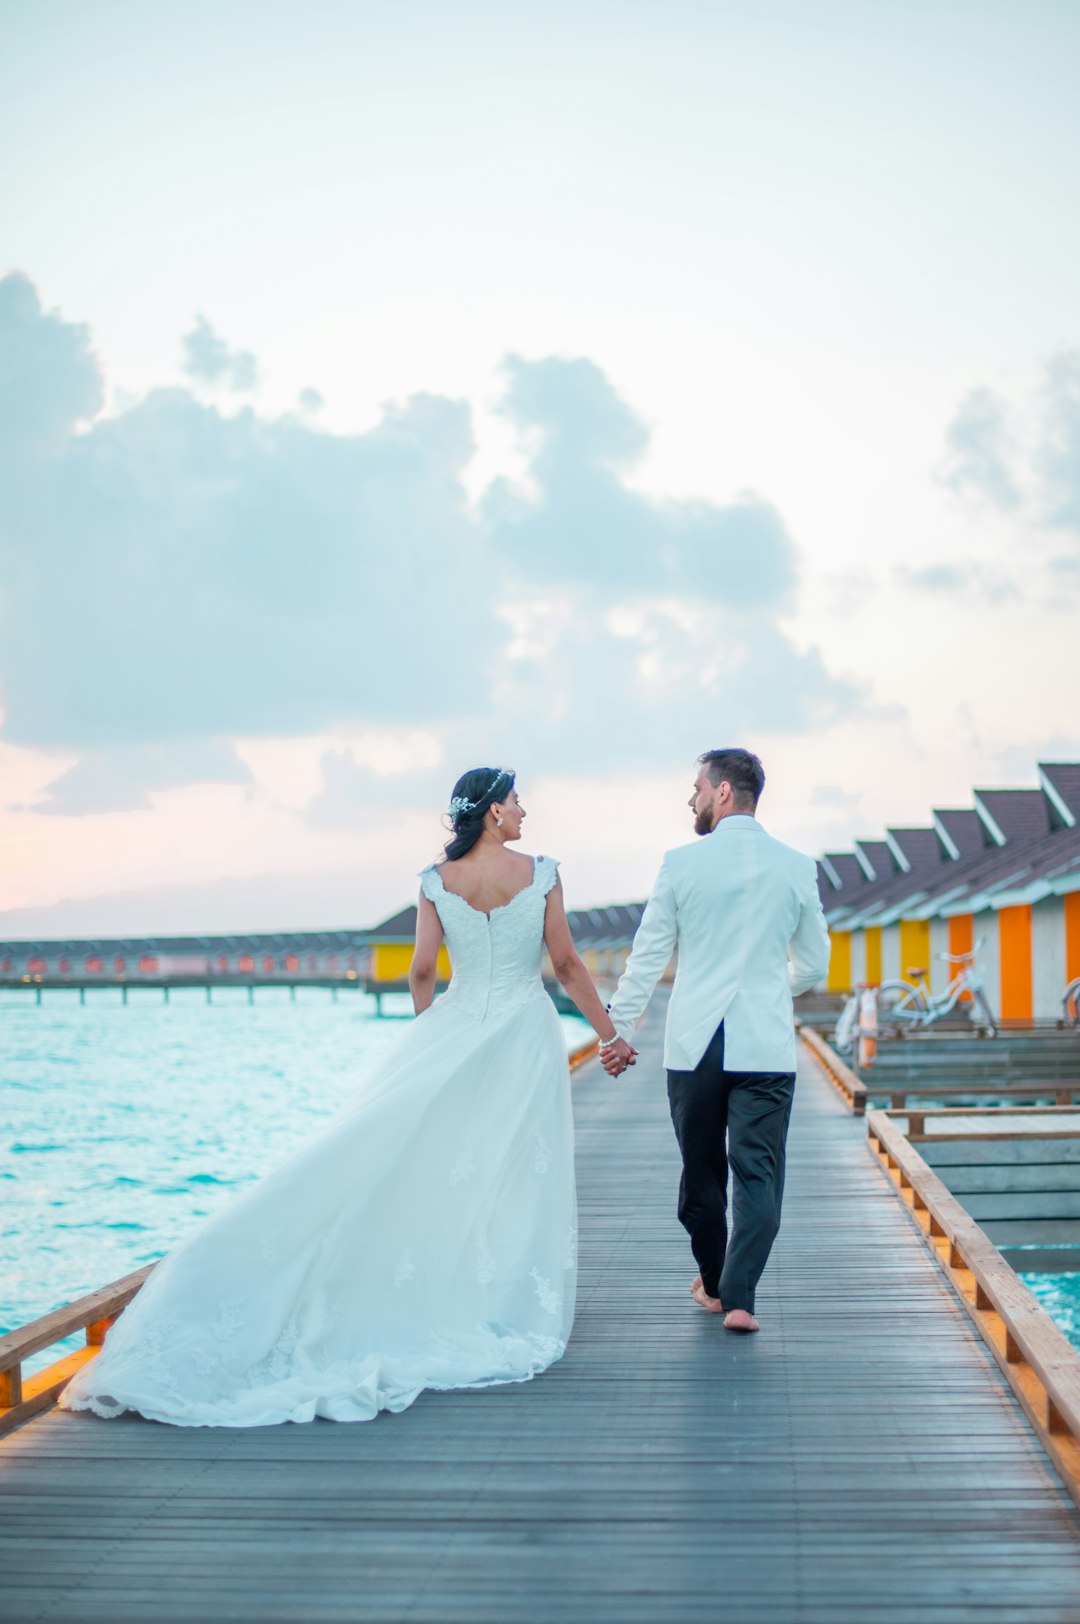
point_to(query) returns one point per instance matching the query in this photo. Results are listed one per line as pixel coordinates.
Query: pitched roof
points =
(400, 924)
(879, 856)
(1013, 817)
(920, 848)
(976, 880)
(1060, 782)
(847, 869)
(963, 828)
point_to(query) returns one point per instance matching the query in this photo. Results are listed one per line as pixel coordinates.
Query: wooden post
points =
(165, 990)
(82, 995)
(251, 995)
(10, 1387)
(123, 994)
(292, 995)
(209, 993)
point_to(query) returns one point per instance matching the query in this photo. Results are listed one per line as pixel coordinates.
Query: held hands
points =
(617, 1056)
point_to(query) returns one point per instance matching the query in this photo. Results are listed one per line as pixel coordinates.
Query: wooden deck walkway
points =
(861, 1460)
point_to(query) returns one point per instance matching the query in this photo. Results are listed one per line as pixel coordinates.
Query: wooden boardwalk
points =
(861, 1460)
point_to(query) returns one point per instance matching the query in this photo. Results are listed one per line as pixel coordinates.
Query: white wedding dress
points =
(426, 1238)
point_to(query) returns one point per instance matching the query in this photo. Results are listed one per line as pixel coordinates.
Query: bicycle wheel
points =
(899, 1004)
(982, 1015)
(1071, 1003)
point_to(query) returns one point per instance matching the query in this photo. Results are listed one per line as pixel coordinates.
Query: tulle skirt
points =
(425, 1238)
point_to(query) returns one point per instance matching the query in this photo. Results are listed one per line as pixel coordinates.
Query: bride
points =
(426, 1237)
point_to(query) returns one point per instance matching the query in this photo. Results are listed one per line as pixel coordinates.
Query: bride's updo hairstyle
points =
(474, 792)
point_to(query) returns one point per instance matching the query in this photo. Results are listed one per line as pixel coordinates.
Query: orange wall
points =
(1014, 942)
(961, 940)
(1072, 934)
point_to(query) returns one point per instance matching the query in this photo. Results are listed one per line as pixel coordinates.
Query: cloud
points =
(971, 579)
(175, 577)
(173, 572)
(834, 795)
(1035, 475)
(581, 522)
(123, 778)
(1058, 454)
(208, 359)
(357, 791)
(49, 379)
(982, 451)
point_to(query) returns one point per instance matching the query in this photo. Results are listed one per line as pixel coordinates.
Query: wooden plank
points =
(1042, 1259)
(1033, 1231)
(1028, 1186)
(861, 1458)
(1014, 1156)
(1041, 1365)
(1053, 1205)
(851, 1087)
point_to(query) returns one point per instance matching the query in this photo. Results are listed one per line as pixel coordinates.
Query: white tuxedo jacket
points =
(736, 903)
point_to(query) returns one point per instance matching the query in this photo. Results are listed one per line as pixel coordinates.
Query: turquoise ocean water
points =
(123, 1126)
(1059, 1294)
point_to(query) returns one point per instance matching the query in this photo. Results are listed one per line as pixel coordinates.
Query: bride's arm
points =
(568, 967)
(425, 959)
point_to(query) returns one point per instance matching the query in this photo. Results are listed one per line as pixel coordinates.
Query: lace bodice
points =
(495, 957)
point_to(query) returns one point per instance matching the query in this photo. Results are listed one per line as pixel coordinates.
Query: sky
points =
(386, 391)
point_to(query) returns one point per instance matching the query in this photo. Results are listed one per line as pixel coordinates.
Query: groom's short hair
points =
(741, 769)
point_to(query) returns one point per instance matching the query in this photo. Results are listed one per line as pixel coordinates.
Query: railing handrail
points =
(1040, 1364)
(851, 1087)
(93, 1313)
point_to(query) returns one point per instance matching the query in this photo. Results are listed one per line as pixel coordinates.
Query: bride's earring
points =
(498, 820)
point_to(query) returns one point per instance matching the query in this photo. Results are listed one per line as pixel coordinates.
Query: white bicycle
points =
(910, 1004)
(1070, 1003)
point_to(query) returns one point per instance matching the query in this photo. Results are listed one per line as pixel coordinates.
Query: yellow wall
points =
(914, 947)
(1072, 935)
(873, 955)
(840, 961)
(1014, 946)
(391, 960)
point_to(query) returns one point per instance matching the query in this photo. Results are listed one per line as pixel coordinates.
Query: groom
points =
(743, 912)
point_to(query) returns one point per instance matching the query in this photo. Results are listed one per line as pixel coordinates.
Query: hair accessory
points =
(461, 804)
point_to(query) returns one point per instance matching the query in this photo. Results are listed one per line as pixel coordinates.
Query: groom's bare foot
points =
(739, 1320)
(701, 1296)
(695, 1285)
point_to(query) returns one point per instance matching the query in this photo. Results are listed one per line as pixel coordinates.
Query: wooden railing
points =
(1040, 1364)
(583, 1052)
(840, 1075)
(21, 1398)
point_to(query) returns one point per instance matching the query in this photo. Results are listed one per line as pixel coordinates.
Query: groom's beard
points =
(703, 824)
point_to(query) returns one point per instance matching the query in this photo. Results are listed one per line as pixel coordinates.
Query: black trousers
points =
(737, 1119)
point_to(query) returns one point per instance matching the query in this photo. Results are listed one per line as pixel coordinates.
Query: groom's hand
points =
(616, 1059)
